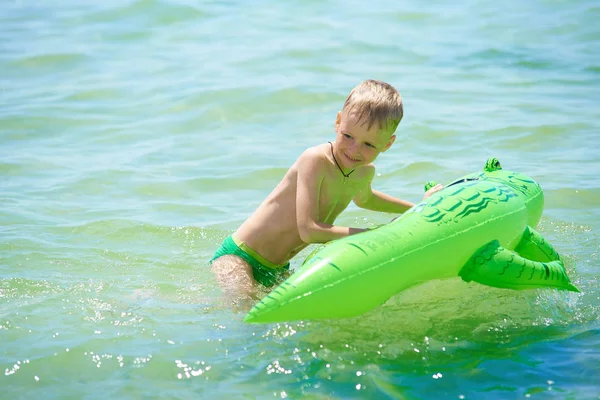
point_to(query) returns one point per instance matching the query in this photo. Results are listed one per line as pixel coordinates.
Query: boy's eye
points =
(370, 145)
(347, 136)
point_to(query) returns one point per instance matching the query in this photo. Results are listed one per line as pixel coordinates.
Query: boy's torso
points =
(272, 231)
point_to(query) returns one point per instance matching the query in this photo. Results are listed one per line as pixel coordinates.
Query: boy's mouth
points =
(350, 158)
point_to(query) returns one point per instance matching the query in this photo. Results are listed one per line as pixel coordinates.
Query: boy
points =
(303, 207)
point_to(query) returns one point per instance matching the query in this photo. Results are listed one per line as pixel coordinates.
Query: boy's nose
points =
(353, 149)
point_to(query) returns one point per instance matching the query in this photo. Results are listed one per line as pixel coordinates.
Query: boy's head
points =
(365, 127)
(375, 103)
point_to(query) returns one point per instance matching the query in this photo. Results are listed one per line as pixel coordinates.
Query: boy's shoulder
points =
(318, 150)
(366, 172)
(316, 153)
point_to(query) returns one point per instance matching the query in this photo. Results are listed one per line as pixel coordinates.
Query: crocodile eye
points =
(492, 164)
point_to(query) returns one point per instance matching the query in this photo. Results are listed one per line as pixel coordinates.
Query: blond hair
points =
(375, 101)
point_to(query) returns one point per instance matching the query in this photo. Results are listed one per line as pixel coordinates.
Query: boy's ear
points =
(338, 119)
(389, 143)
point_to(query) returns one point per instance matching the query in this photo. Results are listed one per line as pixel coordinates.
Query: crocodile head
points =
(522, 185)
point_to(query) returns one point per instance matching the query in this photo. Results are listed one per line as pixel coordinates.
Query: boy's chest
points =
(335, 196)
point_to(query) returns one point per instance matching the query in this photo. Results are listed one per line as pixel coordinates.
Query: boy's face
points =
(356, 143)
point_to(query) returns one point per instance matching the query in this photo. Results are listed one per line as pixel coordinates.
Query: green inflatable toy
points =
(479, 227)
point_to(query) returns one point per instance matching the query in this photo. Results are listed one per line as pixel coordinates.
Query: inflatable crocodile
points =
(479, 227)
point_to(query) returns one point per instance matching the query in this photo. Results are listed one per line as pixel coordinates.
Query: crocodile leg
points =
(534, 247)
(493, 265)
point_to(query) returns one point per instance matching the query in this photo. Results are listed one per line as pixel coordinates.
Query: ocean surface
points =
(136, 135)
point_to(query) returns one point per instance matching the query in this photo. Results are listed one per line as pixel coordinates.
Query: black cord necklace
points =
(338, 165)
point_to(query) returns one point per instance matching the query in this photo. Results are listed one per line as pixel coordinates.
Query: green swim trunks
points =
(265, 272)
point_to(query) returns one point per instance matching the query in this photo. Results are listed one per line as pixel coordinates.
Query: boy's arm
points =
(375, 200)
(311, 171)
(379, 201)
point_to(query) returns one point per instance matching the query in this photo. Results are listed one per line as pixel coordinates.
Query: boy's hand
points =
(431, 191)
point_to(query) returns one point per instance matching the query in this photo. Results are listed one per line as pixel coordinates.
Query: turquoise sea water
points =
(136, 135)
